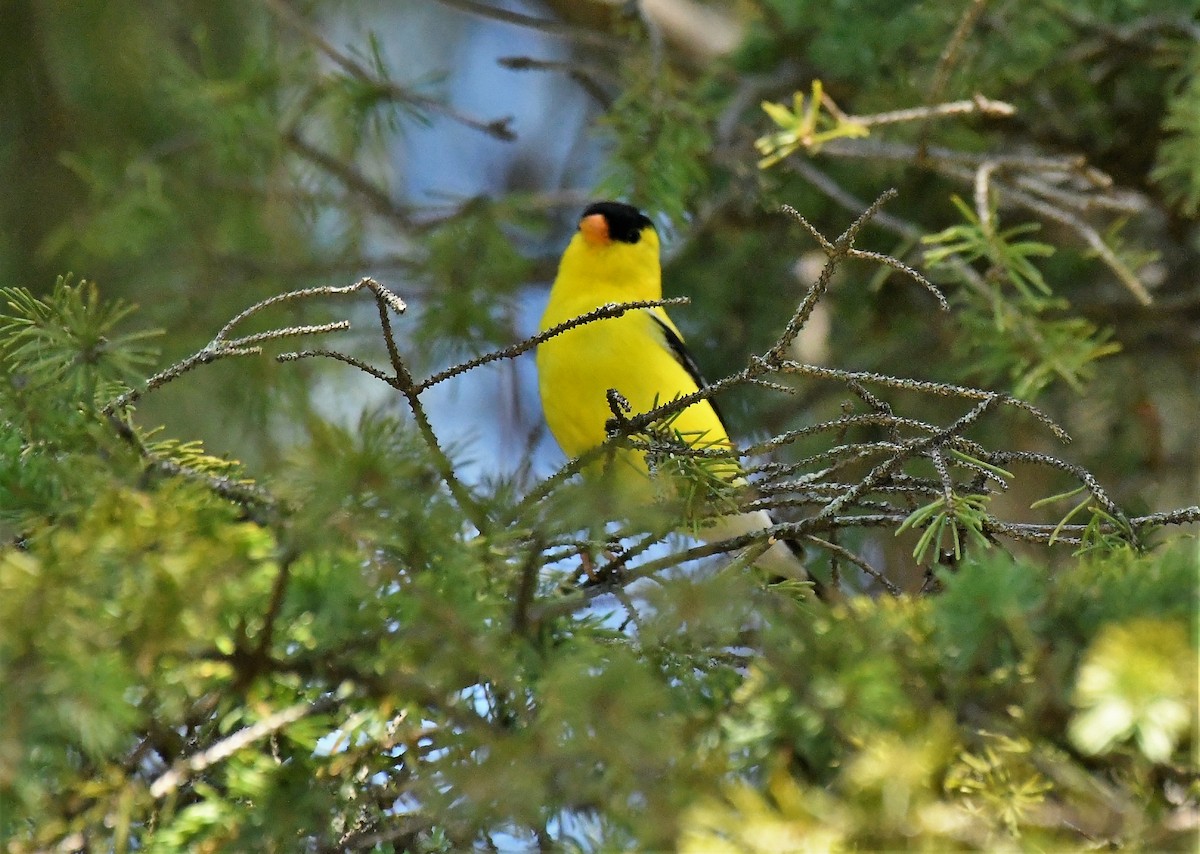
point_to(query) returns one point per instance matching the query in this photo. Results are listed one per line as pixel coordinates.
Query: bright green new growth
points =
(351, 635)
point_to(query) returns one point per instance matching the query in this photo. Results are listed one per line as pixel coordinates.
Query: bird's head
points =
(615, 247)
(606, 224)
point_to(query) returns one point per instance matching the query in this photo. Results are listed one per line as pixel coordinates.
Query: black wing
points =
(680, 350)
(689, 364)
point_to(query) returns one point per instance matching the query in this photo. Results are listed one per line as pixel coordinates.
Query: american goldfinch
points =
(614, 258)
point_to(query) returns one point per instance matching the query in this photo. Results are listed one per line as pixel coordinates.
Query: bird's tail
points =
(783, 561)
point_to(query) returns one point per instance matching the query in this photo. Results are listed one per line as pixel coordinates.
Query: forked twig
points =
(224, 347)
(221, 346)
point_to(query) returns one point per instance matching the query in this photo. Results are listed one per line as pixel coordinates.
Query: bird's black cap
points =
(625, 222)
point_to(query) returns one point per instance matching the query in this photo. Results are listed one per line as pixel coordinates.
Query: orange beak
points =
(594, 229)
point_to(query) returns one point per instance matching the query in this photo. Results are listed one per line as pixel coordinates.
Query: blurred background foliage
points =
(321, 647)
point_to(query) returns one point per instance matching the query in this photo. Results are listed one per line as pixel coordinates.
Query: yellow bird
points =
(614, 258)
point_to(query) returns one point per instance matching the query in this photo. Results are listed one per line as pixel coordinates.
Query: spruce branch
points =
(1079, 472)
(403, 381)
(387, 303)
(815, 121)
(603, 312)
(904, 229)
(835, 251)
(239, 491)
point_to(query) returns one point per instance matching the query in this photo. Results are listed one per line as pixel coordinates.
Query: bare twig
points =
(179, 774)
(527, 586)
(542, 25)
(846, 421)
(835, 251)
(907, 450)
(321, 352)
(1182, 516)
(943, 389)
(221, 346)
(278, 592)
(939, 463)
(592, 79)
(403, 381)
(609, 310)
(983, 198)
(1090, 236)
(977, 104)
(900, 227)
(847, 555)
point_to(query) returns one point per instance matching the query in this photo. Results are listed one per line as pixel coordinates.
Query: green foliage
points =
(1133, 682)
(846, 39)
(61, 359)
(1102, 532)
(474, 270)
(999, 642)
(1178, 166)
(803, 126)
(172, 572)
(399, 678)
(184, 116)
(973, 240)
(987, 620)
(660, 138)
(363, 660)
(1013, 329)
(874, 57)
(944, 521)
(69, 340)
